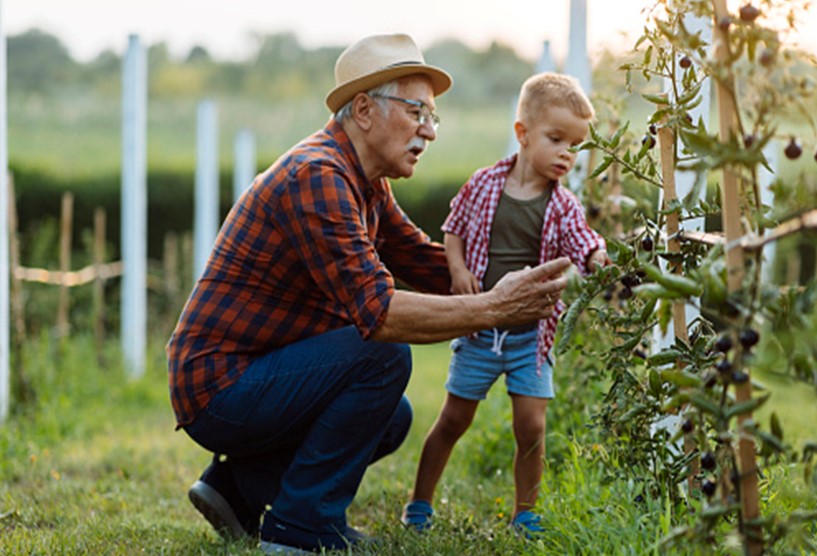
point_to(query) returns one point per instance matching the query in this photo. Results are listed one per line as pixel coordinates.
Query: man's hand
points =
(527, 295)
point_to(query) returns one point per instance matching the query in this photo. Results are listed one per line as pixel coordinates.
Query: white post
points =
(543, 64)
(578, 62)
(207, 194)
(766, 179)
(244, 169)
(134, 207)
(5, 345)
(578, 66)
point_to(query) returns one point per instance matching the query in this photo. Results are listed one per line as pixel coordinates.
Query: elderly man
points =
(290, 358)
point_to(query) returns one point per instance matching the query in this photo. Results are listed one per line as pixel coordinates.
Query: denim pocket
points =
(237, 402)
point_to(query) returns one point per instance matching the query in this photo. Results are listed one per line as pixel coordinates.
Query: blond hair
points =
(552, 89)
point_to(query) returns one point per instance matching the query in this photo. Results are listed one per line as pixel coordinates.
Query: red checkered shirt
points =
(564, 231)
(310, 247)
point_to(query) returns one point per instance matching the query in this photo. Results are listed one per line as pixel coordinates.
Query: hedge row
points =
(171, 204)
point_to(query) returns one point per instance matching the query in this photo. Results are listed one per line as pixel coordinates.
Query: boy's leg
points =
(455, 417)
(529, 432)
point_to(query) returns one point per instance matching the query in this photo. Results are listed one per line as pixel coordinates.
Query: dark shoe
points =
(216, 497)
(278, 537)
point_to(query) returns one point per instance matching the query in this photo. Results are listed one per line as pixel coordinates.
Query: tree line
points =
(280, 68)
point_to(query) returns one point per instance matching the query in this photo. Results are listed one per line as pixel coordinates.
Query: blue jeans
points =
(302, 424)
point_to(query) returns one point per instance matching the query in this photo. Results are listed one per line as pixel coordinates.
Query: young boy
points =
(506, 217)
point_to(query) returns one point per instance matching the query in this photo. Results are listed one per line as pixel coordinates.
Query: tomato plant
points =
(704, 377)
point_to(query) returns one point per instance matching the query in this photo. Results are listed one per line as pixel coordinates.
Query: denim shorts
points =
(476, 364)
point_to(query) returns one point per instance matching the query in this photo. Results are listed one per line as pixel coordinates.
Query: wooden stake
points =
(171, 276)
(99, 281)
(17, 303)
(23, 390)
(730, 200)
(666, 143)
(66, 225)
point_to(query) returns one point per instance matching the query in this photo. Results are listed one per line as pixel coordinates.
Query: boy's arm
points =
(462, 280)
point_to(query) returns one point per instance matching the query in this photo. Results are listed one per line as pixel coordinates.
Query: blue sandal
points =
(528, 524)
(417, 515)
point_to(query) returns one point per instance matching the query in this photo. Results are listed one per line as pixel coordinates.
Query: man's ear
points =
(521, 133)
(362, 108)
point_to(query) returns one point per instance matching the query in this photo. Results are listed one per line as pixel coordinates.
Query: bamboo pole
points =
(666, 142)
(730, 200)
(66, 225)
(667, 145)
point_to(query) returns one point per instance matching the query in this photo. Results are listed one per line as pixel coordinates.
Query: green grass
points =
(94, 466)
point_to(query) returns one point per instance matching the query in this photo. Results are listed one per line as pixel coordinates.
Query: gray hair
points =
(387, 88)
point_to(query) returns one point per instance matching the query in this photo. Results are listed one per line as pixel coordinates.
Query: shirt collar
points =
(367, 188)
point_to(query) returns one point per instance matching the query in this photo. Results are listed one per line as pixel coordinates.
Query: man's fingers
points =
(550, 269)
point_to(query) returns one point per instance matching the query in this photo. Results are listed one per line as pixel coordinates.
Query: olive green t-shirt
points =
(516, 236)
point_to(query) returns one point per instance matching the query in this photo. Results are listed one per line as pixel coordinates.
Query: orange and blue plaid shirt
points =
(565, 232)
(310, 247)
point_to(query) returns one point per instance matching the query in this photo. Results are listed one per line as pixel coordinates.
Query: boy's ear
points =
(521, 133)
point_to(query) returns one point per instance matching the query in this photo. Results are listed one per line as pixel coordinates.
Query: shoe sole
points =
(275, 548)
(216, 510)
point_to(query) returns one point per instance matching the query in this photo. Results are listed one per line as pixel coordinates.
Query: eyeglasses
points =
(423, 115)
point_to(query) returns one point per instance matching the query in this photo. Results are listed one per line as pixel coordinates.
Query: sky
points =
(226, 27)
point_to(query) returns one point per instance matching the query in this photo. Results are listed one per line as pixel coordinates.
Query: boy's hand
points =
(598, 259)
(463, 282)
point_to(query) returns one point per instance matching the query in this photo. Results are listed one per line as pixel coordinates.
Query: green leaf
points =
(601, 167)
(775, 426)
(744, 407)
(665, 357)
(661, 100)
(681, 379)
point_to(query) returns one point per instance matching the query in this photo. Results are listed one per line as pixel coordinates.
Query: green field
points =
(95, 467)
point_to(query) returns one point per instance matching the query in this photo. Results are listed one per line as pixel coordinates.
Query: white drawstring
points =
(499, 339)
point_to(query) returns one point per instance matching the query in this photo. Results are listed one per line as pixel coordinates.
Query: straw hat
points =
(377, 59)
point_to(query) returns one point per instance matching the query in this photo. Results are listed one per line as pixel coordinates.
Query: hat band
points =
(405, 63)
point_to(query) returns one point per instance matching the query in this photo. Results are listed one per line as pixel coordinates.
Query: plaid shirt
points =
(564, 231)
(310, 247)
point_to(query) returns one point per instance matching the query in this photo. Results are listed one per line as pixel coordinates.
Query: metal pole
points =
(206, 202)
(578, 66)
(5, 375)
(245, 168)
(766, 180)
(134, 207)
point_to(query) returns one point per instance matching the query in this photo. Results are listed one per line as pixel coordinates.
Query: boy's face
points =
(548, 138)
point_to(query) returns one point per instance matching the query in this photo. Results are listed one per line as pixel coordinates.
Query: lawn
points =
(94, 466)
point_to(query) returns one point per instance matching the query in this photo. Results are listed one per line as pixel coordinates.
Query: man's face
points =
(398, 139)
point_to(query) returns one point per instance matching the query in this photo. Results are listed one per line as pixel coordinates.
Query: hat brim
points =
(337, 97)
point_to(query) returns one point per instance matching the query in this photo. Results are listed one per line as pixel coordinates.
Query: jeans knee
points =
(396, 430)
(395, 360)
